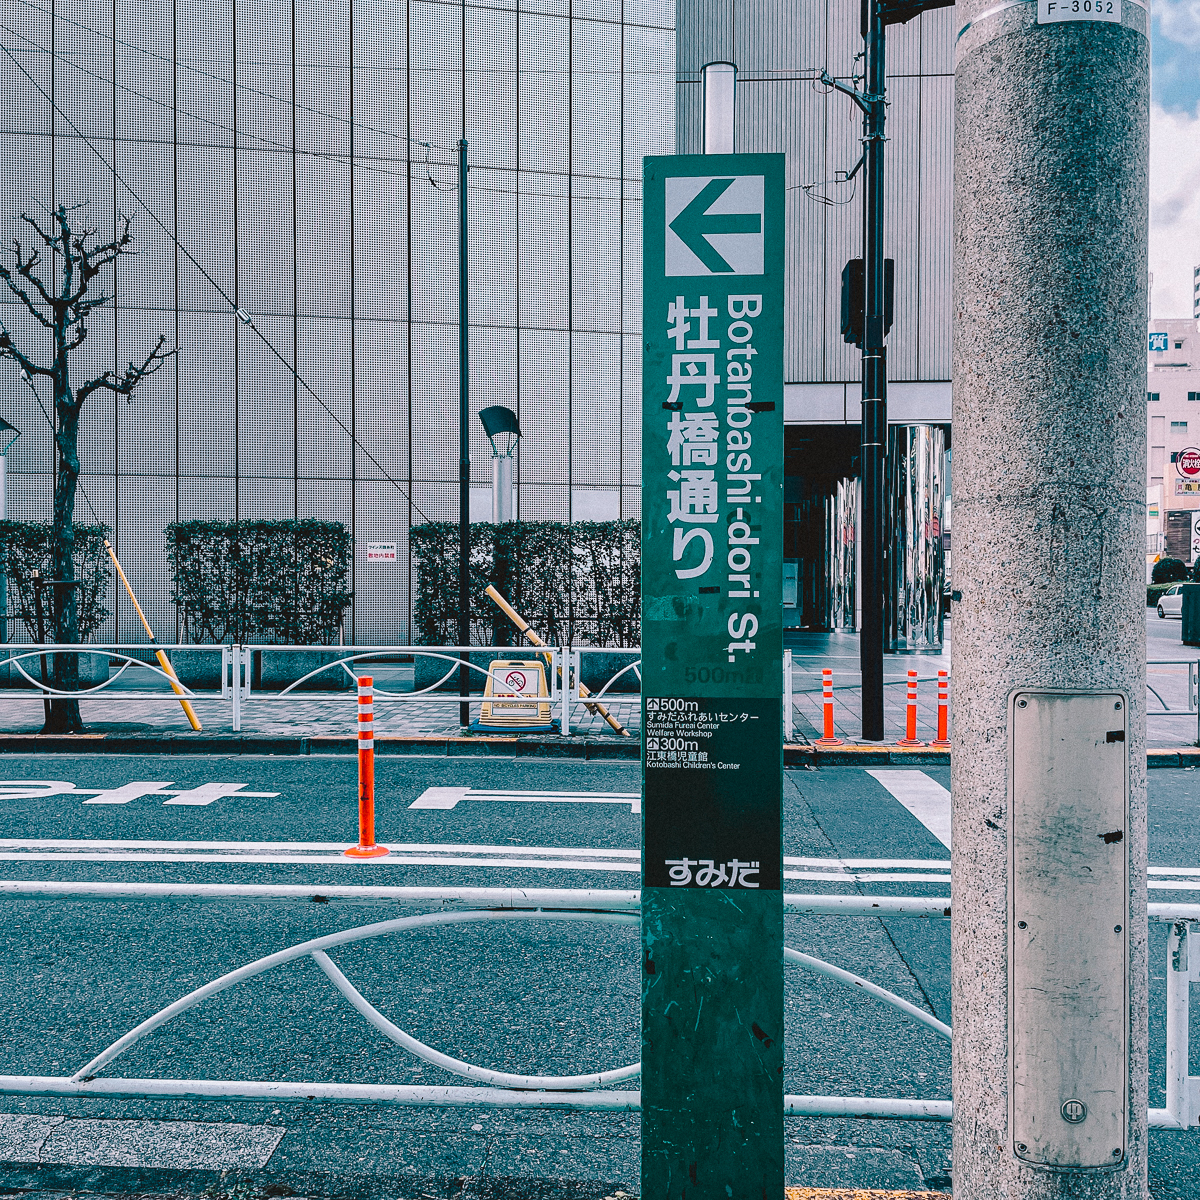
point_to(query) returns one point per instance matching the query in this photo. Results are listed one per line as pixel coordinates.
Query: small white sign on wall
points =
(381, 552)
(1050, 11)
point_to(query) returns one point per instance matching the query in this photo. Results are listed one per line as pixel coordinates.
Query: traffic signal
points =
(897, 12)
(854, 299)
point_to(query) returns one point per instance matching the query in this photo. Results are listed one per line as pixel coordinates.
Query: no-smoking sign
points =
(1188, 462)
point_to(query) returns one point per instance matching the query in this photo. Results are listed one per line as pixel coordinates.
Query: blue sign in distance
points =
(1158, 343)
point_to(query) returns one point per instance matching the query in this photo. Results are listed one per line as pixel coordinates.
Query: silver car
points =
(1170, 603)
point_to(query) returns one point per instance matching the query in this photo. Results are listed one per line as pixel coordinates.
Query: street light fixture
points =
(500, 425)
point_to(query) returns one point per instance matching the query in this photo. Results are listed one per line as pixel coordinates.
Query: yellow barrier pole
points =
(523, 627)
(163, 661)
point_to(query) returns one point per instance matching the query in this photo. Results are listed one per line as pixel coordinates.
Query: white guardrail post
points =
(1194, 693)
(1183, 969)
(235, 652)
(564, 694)
(788, 724)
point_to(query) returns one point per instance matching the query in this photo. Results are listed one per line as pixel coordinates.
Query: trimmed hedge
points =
(1153, 591)
(1168, 570)
(260, 581)
(25, 548)
(575, 583)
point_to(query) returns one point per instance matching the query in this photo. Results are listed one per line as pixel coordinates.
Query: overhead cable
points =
(242, 314)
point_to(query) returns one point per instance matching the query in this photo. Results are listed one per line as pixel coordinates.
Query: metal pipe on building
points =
(842, 555)
(719, 80)
(1049, 922)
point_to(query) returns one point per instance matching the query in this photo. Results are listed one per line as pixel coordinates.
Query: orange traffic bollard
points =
(943, 726)
(829, 738)
(366, 847)
(910, 724)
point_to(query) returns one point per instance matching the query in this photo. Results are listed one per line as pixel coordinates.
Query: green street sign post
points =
(712, 677)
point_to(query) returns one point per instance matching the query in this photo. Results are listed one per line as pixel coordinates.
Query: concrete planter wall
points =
(93, 668)
(273, 670)
(197, 669)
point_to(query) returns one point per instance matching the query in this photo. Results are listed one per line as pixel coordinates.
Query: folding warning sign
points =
(516, 696)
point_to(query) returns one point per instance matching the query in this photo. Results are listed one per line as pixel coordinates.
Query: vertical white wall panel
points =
(381, 399)
(291, 152)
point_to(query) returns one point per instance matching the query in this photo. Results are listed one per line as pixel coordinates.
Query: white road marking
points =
(925, 798)
(448, 797)
(406, 854)
(545, 858)
(188, 1145)
(204, 794)
(440, 797)
(127, 792)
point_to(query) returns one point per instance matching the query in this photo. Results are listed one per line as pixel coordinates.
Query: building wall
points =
(1173, 421)
(779, 46)
(300, 153)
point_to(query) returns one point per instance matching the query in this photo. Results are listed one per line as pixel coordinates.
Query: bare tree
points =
(58, 291)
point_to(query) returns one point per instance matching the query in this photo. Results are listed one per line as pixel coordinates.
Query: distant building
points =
(1173, 424)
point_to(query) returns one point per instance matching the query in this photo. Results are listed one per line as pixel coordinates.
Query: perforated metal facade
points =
(282, 144)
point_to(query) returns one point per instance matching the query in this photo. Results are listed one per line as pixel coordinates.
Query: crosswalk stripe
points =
(108, 1142)
(925, 798)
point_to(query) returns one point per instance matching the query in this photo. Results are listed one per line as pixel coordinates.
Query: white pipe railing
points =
(581, 1092)
(235, 666)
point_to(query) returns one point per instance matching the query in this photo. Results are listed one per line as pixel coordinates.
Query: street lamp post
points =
(8, 435)
(464, 444)
(500, 425)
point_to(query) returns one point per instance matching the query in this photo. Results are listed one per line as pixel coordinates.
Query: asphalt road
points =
(521, 997)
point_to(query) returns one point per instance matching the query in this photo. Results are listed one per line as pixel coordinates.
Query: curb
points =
(801, 755)
(48, 1181)
(590, 749)
(596, 749)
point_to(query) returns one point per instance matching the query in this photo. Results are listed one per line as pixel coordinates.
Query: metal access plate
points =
(1068, 921)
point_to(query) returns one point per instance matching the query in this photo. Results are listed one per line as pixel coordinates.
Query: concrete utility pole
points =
(1049, 811)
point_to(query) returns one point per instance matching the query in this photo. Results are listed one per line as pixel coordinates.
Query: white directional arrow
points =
(127, 792)
(205, 793)
(450, 797)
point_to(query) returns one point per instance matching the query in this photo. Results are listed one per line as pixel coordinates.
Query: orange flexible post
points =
(366, 847)
(910, 723)
(830, 738)
(943, 720)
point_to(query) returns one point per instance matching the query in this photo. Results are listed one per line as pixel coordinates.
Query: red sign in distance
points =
(1188, 462)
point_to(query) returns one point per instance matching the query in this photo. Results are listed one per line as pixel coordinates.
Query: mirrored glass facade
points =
(296, 160)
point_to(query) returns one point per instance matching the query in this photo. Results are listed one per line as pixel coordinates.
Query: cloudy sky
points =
(1174, 154)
